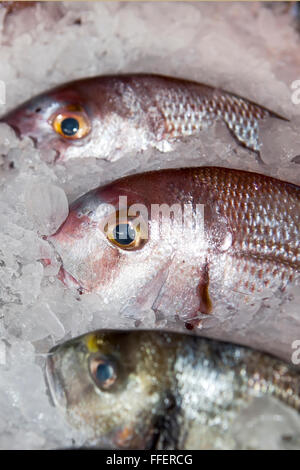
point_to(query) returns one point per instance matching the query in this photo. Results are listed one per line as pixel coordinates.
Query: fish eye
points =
(103, 372)
(69, 126)
(71, 122)
(124, 234)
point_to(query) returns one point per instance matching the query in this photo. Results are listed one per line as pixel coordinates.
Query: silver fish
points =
(146, 389)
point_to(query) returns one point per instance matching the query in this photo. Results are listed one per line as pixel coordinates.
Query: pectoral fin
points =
(205, 300)
(185, 293)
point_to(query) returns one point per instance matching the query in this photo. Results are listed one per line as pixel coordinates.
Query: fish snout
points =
(67, 279)
(34, 125)
(50, 258)
(20, 122)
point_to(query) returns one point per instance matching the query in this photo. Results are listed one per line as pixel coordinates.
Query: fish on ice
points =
(109, 116)
(190, 244)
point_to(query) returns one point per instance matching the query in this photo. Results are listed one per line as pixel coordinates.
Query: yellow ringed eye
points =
(126, 232)
(71, 123)
(124, 235)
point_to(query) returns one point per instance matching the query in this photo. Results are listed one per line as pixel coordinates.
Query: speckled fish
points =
(141, 389)
(108, 116)
(197, 243)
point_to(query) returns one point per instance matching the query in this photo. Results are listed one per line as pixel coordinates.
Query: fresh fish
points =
(191, 244)
(146, 389)
(106, 117)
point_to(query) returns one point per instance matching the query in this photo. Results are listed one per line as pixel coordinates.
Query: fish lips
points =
(27, 123)
(21, 125)
(63, 275)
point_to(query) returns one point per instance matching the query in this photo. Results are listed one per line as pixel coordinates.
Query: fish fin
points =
(256, 114)
(185, 293)
(205, 300)
(144, 301)
(271, 113)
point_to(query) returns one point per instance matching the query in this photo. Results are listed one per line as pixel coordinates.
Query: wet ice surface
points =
(237, 47)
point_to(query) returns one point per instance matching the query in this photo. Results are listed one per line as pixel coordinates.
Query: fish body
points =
(146, 389)
(109, 116)
(202, 243)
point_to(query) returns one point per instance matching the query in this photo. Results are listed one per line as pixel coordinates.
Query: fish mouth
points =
(24, 129)
(63, 275)
(55, 383)
(69, 281)
(17, 121)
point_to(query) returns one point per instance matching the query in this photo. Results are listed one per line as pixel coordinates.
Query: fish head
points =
(112, 385)
(112, 243)
(76, 120)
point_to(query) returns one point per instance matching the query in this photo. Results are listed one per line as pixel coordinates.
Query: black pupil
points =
(104, 372)
(124, 234)
(70, 126)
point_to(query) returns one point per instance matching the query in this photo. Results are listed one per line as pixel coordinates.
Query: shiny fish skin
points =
(167, 386)
(131, 113)
(248, 251)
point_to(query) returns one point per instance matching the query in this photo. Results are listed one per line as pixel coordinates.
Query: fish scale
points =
(187, 115)
(260, 206)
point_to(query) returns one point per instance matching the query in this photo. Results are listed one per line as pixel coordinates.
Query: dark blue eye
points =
(124, 234)
(103, 372)
(70, 126)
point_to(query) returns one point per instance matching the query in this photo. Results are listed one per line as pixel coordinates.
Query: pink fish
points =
(107, 117)
(190, 244)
